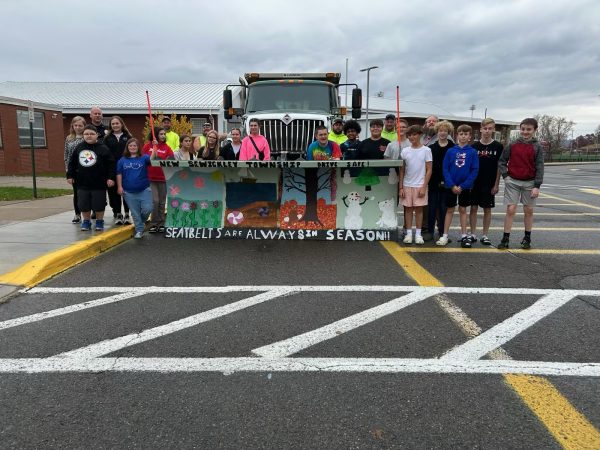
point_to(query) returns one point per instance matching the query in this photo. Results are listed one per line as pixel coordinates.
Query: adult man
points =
(200, 141)
(96, 119)
(172, 137)
(429, 134)
(389, 128)
(336, 134)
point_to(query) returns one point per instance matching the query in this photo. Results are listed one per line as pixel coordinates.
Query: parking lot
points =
(199, 343)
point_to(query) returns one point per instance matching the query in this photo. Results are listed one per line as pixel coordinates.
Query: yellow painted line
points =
(594, 229)
(44, 267)
(415, 270)
(572, 202)
(590, 191)
(569, 427)
(537, 214)
(493, 251)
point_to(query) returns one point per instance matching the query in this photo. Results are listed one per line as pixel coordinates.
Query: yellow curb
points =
(44, 267)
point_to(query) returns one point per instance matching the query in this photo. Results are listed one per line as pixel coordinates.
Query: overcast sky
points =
(515, 58)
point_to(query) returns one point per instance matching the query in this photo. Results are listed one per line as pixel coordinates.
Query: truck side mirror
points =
(227, 103)
(356, 103)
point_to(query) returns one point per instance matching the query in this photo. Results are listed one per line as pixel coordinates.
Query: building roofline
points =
(25, 103)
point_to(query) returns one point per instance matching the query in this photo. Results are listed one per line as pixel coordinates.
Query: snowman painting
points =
(388, 215)
(353, 220)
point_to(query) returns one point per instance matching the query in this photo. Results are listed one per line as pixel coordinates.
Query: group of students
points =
(439, 174)
(436, 172)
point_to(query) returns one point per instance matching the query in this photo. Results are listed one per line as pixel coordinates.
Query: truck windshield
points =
(290, 97)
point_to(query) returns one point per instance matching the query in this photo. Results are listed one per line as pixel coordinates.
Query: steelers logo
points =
(87, 158)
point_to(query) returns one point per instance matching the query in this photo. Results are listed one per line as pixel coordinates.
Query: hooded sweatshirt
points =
(163, 151)
(91, 165)
(461, 165)
(523, 160)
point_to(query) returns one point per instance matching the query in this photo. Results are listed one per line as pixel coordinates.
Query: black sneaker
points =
(485, 240)
(526, 243)
(503, 245)
(153, 229)
(466, 242)
(161, 229)
(76, 219)
(119, 219)
(472, 238)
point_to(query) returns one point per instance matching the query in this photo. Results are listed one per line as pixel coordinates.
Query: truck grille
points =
(289, 141)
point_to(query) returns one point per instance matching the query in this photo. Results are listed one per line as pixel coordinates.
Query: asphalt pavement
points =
(301, 344)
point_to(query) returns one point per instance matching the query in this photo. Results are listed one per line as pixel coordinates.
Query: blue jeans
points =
(436, 202)
(140, 207)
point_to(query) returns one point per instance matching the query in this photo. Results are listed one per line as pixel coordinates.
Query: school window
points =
(197, 124)
(39, 130)
(498, 135)
(106, 121)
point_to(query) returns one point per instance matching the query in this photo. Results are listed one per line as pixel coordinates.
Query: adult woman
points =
(231, 150)
(255, 146)
(158, 182)
(116, 139)
(211, 151)
(74, 138)
(185, 151)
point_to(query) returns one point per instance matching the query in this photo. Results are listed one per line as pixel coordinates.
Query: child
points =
(133, 184)
(522, 167)
(158, 183)
(92, 169)
(487, 181)
(414, 177)
(349, 148)
(323, 149)
(460, 170)
(437, 187)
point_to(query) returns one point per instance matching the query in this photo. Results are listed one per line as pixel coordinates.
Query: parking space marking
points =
(68, 309)
(566, 200)
(112, 345)
(591, 191)
(507, 330)
(569, 427)
(295, 344)
(494, 251)
(255, 364)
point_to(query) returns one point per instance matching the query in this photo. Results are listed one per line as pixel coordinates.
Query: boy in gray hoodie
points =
(522, 167)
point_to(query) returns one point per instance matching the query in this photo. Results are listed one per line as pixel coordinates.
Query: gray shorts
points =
(518, 191)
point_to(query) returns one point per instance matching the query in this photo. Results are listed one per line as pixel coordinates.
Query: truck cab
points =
(289, 108)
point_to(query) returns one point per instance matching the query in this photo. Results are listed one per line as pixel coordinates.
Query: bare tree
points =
(554, 130)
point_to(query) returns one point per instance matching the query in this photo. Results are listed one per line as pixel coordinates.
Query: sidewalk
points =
(33, 228)
(40, 182)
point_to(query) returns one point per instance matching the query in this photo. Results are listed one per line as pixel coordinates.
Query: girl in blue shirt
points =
(133, 184)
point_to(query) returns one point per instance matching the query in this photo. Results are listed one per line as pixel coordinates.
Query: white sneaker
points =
(442, 241)
(407, 239)
(419, 240)
(138, 235)
(127, 220)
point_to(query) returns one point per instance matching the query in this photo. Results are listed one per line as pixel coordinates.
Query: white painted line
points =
(112, 345)
(297, 343)
(67, 310)
(302, 288)
(505, 331)
(229, 366)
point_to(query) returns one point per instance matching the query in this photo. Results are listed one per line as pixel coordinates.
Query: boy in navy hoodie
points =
(461, 165)
(522, 167)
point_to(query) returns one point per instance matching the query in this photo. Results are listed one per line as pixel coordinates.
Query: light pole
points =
(368, 70)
